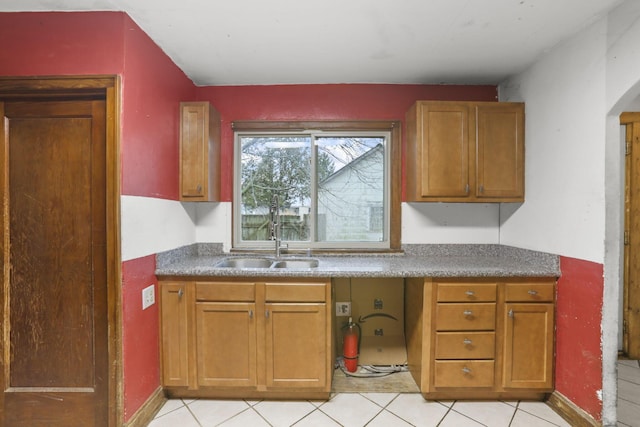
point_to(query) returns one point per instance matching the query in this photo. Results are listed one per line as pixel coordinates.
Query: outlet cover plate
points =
(343, 308)
(148, 296)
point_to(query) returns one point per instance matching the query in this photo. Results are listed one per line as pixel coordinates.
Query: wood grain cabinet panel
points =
(499, 347)
(226, 344)
(240, 339)
(465, 152)
(199, 152)
(175, 326)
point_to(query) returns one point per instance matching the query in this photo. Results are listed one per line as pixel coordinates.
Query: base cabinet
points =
(249, 339)
(481, 338)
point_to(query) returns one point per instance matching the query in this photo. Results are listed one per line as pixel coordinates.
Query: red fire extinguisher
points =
(350, 346)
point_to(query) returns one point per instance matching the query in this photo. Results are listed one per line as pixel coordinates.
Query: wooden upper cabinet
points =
(199, 152)
(465, 152)
(500, 151)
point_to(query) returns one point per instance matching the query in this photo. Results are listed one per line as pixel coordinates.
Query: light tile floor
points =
(387, 410)
(354, 410)
(628, 393)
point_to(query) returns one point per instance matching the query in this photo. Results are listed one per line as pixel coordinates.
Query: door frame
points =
(80, 87)
(631, 294)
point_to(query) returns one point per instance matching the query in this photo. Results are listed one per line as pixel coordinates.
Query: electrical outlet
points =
(343, 309)
(148, 296)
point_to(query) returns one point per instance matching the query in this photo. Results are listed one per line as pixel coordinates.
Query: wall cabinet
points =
(199, 152)
(250, 339)
(465, 152)
(481, 338)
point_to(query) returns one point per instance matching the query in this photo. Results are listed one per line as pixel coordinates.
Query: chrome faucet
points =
(274, 211)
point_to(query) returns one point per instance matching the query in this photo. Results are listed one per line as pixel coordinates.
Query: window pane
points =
(351, 189)
(275, 165)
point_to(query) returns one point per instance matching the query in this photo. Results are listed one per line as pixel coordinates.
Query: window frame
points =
(394, 161)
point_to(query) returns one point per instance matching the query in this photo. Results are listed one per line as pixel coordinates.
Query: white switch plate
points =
(148, 296)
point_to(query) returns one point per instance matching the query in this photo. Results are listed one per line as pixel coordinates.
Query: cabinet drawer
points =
(295, 292)
(465, 317)
(225, 291)
(465, 345)
(529, 292)
(467, 292)
(464, 373)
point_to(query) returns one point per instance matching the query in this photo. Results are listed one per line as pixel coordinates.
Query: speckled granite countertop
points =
(451, 260)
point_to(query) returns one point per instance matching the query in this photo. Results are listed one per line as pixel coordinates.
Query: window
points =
(332, 184)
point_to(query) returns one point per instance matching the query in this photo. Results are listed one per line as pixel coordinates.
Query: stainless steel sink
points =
(296, 263)
(252, 262)
(242, 262)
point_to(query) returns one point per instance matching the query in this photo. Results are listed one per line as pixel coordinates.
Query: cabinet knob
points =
(467, 341)
(180, 293)
(510, 313)
(266, 314)
(468, 313)
(250, 314)
(481, 189)
(466, 189)
(466, 370)
(199, 188)
(470, 293)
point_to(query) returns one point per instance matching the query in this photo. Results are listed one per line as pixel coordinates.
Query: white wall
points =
(151, 225)
(450, 223)
(574, 200)
(564, 207)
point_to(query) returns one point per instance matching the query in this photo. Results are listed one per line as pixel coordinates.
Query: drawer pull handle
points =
(466, 370)
(180, 293)
(532, 292)
(467, 341)
(250, 314)
(468, 313)
(470, 293)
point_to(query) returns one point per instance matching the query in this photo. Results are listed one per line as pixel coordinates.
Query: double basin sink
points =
(267, 263)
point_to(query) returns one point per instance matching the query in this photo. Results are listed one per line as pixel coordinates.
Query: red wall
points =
(61, 43)
(152, 88)
(578, 338)
(322, 102)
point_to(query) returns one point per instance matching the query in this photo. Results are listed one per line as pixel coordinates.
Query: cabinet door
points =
(297, 345)
(443, 150)
(199, 152)
(174, 320)
(226, 344)
(500, 151)
(528, 346)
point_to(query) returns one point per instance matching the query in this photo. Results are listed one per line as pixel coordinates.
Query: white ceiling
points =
(246, 42)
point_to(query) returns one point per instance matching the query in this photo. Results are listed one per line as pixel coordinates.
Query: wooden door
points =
(443, 149)
(528, 346)
(500, 151)
(226, 344)
(631, 292)
(55, 323)
(296, 345)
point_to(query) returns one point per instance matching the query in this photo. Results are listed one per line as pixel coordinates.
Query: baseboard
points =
(148, 410)
(568, 410)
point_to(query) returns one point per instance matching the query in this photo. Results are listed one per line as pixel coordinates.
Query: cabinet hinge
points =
(626, 237)
(625, 327)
